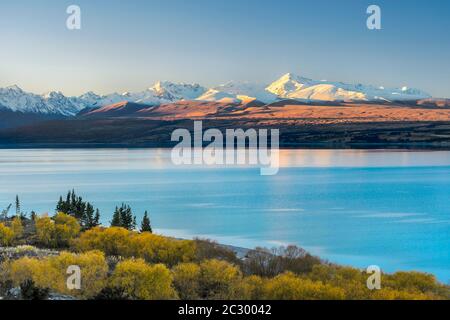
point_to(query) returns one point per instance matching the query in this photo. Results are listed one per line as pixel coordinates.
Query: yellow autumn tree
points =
(218, 280)
(158, 249)
(51, 272)
(150, 247)
(57, 232)
(23, 269)
(250, 288)
(143, 281)
(113, 241)
(17, 227)
(288, 286)
(6, 235)
(186, 278)
(93, 268)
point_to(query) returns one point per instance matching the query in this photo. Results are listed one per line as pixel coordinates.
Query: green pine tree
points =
(123, 217)
(60, 205)
(18, 212)
(96, 218)
(116, 220)
(145, 224)
(87, 221)
(126, 216)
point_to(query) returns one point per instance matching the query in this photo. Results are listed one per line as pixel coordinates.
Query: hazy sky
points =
(128, 45)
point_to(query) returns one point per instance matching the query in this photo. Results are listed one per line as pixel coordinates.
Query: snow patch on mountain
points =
(239, 92)
(291, 86)
(177, 91)
(17, 100)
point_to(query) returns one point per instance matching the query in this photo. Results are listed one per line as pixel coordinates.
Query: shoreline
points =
(302, 146)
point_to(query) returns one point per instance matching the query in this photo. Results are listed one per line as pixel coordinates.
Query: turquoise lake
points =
(355, 207)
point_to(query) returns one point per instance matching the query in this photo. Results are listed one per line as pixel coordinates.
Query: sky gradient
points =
(127, 46)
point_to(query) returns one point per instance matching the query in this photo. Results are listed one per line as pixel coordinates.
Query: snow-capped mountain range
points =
(288, 86)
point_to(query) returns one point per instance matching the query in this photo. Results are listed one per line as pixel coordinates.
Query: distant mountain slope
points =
(288, 86)
(239, 92)
(121, 109)
(185, 109)
(11, 119)
(52, 103)
(442, 103)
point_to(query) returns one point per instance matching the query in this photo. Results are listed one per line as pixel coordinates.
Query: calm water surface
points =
(388, 208)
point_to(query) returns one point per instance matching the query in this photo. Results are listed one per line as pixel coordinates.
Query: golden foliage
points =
(399, 286)
(17, 227)
(218, 279)
(143, 281)
(57, 232)
(251, 288)
(287, 286)
(150, 247)
(51, 272)
(6, 235)
(186, 280)
(145, 273)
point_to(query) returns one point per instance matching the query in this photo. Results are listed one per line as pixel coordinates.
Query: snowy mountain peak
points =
(53, 95)
(291, 86)
(239, 91)
(177, 91)
(14, 88)
(288, 86)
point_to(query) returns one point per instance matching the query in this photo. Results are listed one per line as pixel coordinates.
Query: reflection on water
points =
(388, 208)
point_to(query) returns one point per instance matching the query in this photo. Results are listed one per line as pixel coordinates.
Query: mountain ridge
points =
(289, 86)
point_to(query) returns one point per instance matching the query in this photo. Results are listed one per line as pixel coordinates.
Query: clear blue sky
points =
(127, 45)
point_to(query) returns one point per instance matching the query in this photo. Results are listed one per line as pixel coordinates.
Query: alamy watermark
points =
(74, 279)
(374, 280)
(73, 21)
(238, 147)
(374, 20)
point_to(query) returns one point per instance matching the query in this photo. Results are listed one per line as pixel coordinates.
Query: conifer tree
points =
(145, 224)
(97, 218)
(116, 220)
(123, 217)
(87, 221)
(81, 210)
(18, 212)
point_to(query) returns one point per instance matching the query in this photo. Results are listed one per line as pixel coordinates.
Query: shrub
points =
(17, 227)
(30, 291)
(143, 281)
(186, 278)
(412, 281)
(150, 247)
(6, 235)
(112, 293)
(353, 281)
(51, 272)
(251, 288)
(269, 263)
(158, 249)
(112, 241)
(207, 249)
(287, 286)
(218, 280)
(57, 232)
(94, 271)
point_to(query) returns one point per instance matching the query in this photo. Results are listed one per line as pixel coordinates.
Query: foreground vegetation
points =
(119, 262)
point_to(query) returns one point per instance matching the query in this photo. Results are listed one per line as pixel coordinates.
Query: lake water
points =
(385, 208)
